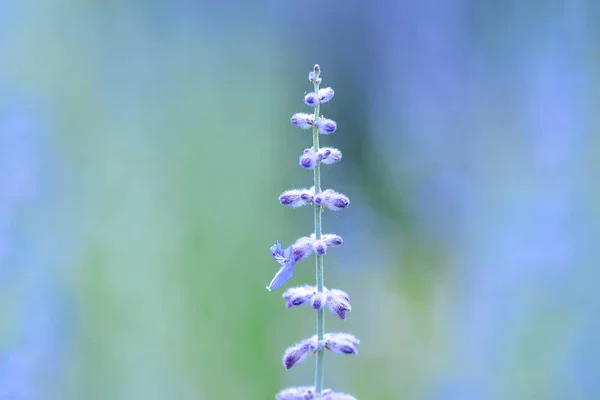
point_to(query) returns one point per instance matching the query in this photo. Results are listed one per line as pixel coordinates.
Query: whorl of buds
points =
(303, 120)
(336, 300)
(332, 200)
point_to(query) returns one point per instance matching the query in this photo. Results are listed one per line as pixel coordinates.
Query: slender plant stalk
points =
(319, 262)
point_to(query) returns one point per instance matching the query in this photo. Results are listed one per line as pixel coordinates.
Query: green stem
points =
(319, 262)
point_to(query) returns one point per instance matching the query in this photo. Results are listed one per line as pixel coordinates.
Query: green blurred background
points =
(143, 145)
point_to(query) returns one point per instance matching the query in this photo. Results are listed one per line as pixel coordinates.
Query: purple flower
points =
(299, 296)
(296, 197)
(287, 262)
(298, 352)
(330, 155)
(341, 343)
(303, 120)
(332, 200)
(326, 94)
(326, 126)
(312, 99)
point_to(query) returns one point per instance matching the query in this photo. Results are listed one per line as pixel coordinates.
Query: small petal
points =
(332, 200)
(312, 99)
(296, 197)
(330, 155)
(318, 301)
(298, 352)
(284, 274)
(277, 252)
(341, 343)
(303, 120)
(326, 126)
(326, 94)
(299, 296)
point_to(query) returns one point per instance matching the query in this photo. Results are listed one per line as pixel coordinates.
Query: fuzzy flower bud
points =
(326, 126)
(328, 394)
(296, 197)
(311, 76)
(332, 240)
(303, 120)
(330, 155)
(299, 296)
(309, 159)
(319, 246)
(318, 301)
(298, 352)
(297, 393)
(341, 343)
(338, 303)
(302, 248)
(326, 94)
(312, 99)
(317, 69)
(332, 200)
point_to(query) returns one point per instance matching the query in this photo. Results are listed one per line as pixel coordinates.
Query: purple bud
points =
(302, 248)
(330, 155)
(299, 296)
(332, 200)
(318, 81)
(296, 197)
(341, 343)
(317, 69)
(298, 352)
(319, 246)
(312, 99)
(328, 394)
(309, 159)
(326, 126)
(297, 393)
(318, 301)
(326, 94)
(332, 240)
(303, 120)
(338, 303)
(311, 76)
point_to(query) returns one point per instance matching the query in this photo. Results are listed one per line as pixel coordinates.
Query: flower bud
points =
(298, 352)
(341, 343)
(318, 301)
(328, 394)
(332, 240)
(302, 248)
(326, 94)
(299, 296)
(312, 99)
(303, 120)
(338, 303)
(311, 76)
(330, 155)
(332, 200)
(317, 69)
(326, 126)
(296, 197)
(297, 393)
(319, 246)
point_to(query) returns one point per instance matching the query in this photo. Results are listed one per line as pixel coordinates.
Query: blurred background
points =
(143, 145)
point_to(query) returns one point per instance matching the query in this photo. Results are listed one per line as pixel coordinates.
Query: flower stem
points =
(319, 263)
